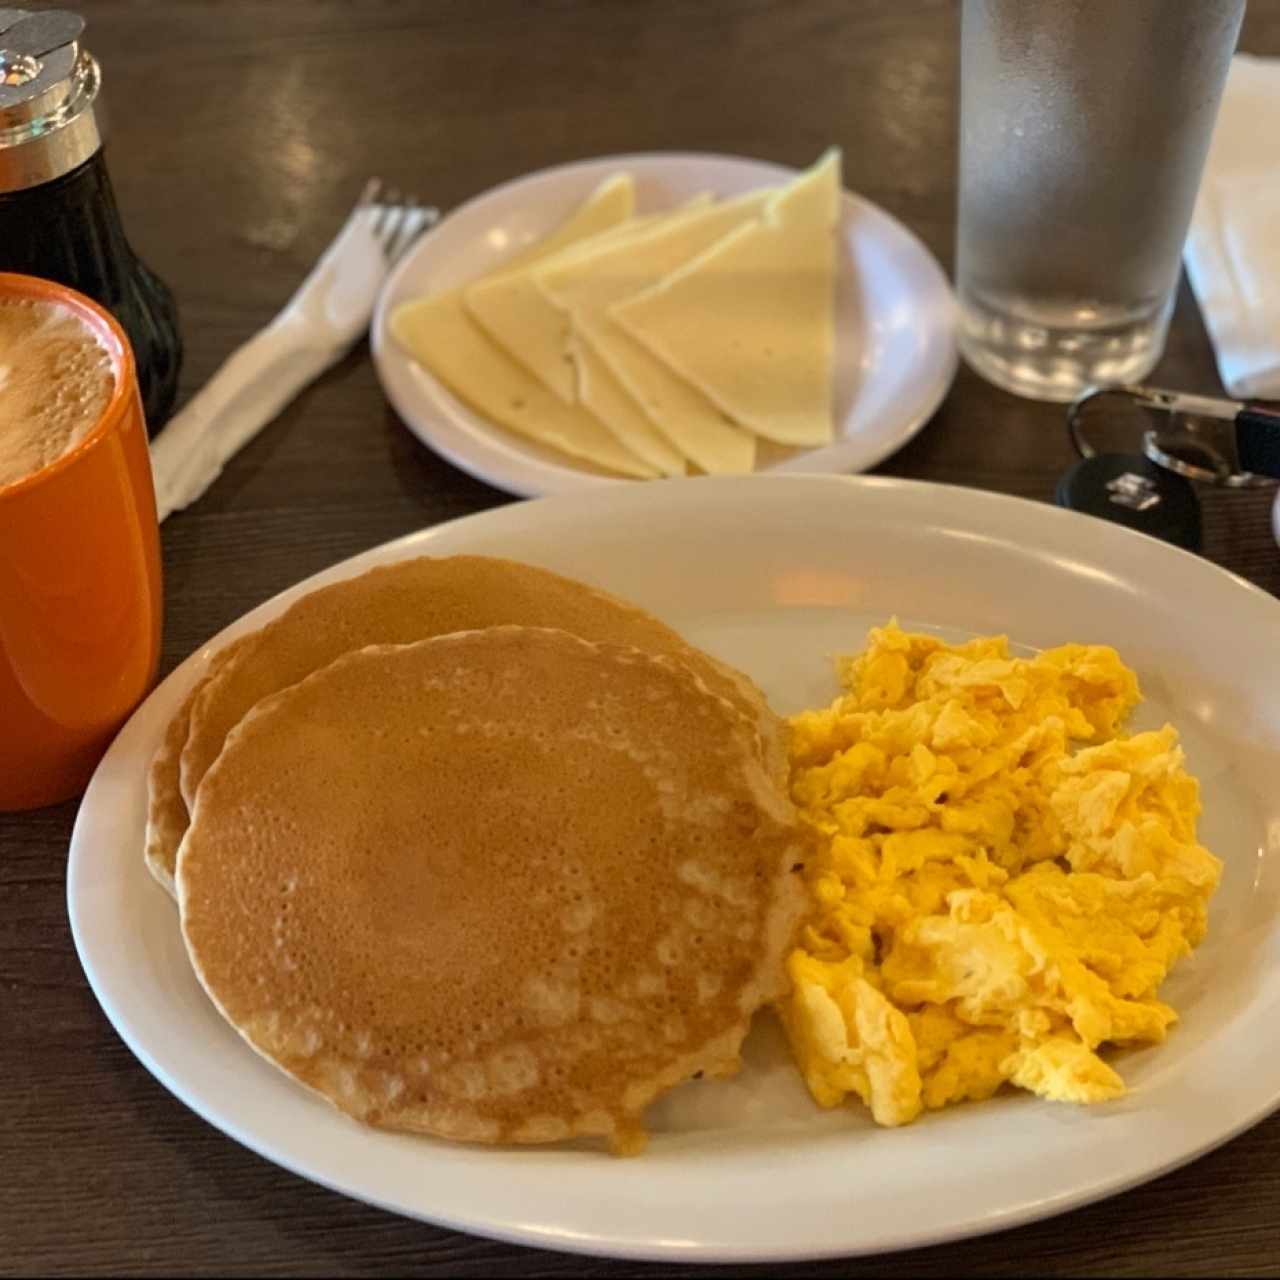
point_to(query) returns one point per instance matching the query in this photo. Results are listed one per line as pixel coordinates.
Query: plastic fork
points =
(319, 325)
(397, 220)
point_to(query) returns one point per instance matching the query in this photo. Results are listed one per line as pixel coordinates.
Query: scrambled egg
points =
(994, 902)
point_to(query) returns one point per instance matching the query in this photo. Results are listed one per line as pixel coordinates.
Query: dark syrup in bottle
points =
(69, 230)
(58, 213)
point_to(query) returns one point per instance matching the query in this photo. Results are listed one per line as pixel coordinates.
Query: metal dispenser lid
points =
(48, 87)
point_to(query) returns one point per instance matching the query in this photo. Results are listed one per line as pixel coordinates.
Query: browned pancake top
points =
(416, 599)
(504, 885)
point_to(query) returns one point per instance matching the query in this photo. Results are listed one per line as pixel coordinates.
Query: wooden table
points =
(241, 133)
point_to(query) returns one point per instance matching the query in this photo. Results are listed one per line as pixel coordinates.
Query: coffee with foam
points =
(56, 380)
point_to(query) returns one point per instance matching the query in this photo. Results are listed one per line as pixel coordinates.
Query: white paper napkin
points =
(1233, 250)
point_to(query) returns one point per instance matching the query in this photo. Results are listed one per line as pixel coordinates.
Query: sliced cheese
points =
(604, 396)
(608, 206)
(586, 288)
(517, 315)
(682, 413)
(750, 321)
(438, 332)
(441, 336)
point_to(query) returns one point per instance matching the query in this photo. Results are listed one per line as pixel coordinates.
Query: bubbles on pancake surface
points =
(487, 902)
(402, 603)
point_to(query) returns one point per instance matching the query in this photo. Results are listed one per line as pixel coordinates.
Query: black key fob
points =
(1128, 489)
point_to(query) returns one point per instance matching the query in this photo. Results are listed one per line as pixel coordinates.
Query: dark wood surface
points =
(240, 135)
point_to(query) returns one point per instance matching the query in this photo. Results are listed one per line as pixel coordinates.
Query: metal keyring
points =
(1156, 446)
(1074, 413)
(1221, 475)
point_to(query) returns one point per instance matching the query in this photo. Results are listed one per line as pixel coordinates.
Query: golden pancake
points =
(167, 815)
(416, 599)
(497, 886)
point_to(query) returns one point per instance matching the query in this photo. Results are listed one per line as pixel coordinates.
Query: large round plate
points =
(895, 327)
(775, 574)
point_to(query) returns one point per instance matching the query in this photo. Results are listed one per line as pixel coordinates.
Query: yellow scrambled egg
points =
(1005, 879)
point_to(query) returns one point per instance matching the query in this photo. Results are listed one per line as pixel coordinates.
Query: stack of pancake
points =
(478, 851)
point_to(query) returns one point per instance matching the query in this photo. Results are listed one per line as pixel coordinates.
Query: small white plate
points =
(775, 574)
(895, 324)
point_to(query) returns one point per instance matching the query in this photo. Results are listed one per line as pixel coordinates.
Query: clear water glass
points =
(1084, 126)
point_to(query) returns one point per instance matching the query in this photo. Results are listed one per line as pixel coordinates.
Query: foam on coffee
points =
(55, 381)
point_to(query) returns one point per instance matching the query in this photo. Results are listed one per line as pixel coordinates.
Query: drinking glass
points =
(1084, 126)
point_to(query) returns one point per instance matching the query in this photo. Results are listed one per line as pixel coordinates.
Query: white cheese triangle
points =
(441, 336)
(438, 332)
(604, 396)
(750, 321)
(608, 206)
(517, 315)
(587, 287)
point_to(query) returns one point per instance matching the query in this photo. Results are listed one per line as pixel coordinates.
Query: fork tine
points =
(387, 210)
(397, 220)
(390, 231)
(416, 220)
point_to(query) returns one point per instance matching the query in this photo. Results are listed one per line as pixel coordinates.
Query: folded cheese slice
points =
(588, 285)
(750, 321)
(518, 316)
(605, 397)
(440, 335)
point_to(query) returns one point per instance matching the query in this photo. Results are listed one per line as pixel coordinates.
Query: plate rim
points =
(515, 471)
(601, 1245)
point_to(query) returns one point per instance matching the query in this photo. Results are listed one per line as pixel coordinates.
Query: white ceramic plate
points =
(895, 327)
(775, 574)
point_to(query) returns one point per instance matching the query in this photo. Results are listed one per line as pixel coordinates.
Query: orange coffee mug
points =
(80, 598)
